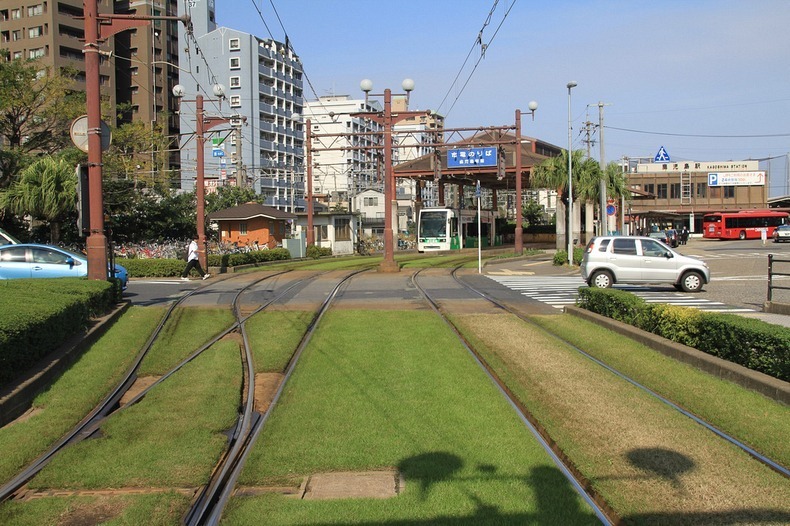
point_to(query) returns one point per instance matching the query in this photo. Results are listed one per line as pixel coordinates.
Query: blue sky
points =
(702, 78)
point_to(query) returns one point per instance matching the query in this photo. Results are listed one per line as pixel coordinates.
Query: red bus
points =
(745, 224)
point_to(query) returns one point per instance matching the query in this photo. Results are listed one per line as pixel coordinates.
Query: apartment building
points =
(261, 88)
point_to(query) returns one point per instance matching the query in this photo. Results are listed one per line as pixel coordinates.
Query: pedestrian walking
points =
(193, 261)
(684, 235)
(763, 234)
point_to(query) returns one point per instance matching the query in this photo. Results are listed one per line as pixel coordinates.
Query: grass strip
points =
(130, 510)
(752, 418)
(652, 464)
(185, 331)
(404, 395)
(274, 336)
(77, 391)
(171, 438)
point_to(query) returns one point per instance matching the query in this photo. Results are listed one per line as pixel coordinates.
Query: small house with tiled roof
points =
(252, 224)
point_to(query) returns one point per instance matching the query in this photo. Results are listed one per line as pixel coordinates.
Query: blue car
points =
(45, 261)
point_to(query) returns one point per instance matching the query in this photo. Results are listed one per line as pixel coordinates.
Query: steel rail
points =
(216, 497)
(577, 482)
(93, 420)
(710, 427)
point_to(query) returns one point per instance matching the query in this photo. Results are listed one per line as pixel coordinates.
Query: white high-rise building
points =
(345, 147)
(262, 84)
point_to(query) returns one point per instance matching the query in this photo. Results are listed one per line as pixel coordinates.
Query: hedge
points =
(38, 315)
(165, 268)
(749, 342)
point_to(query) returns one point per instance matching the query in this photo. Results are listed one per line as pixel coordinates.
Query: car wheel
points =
(742, 235)
(691, 281)
(601, 280)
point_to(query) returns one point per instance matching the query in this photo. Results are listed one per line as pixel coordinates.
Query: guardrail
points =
(771, 273)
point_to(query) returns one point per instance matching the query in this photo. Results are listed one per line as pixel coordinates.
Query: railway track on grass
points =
(776, 466)
(576, 480)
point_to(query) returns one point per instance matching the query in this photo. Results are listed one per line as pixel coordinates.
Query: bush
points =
(37, 316)
(561, 257)
(165, 268)
(315, 252)
(748, 342)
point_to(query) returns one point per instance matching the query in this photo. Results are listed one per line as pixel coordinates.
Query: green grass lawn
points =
(77, 391)
(274, 336)
(405, 396)
(752, 418)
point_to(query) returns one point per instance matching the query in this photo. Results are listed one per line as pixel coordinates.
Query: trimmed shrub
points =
(38, 315)
(315, 252)
(748, 342)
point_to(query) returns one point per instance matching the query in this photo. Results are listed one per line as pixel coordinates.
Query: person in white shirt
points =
(193, 261)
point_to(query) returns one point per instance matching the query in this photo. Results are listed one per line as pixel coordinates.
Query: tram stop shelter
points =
(514, 156)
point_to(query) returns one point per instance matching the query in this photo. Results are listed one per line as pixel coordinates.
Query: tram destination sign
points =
(465, 157)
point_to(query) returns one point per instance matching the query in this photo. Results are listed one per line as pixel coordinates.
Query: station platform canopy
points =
(502, 176)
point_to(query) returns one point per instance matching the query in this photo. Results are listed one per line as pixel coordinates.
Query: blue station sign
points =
(464, 157)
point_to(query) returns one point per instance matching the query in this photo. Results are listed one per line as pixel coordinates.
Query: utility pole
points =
(98, 28)
(604, 216)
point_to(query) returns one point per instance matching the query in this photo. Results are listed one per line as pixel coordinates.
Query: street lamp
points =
(202, 125)
(519, 241)
(387, 120)
(572, 84)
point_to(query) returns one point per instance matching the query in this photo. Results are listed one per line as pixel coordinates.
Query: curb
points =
(17, 398)
(756, 381)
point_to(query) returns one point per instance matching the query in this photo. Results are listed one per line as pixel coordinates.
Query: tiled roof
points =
(249, 211)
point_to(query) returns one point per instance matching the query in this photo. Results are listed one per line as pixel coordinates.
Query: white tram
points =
(440, 229)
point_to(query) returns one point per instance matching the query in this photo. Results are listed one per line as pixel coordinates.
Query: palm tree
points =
(553, 173)
(46, 191)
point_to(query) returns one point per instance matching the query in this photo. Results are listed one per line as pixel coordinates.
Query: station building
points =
(677, 194)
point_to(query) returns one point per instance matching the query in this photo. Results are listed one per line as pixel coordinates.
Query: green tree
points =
(46, 191)
(230, 196)
(533, 213)
(37, 106)
(138, 153)
(553, 173)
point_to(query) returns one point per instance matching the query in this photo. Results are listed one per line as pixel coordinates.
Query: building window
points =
(243, 229)
(235, 82)
(235, 63)
(729, 192)
(34, 32)
(371, 201)
(35, 10)
(650, 188)
(702, 189)
(661, 192)
(16, 35)
(320, 232)
(16, 14)
(342, 229)
(674, 190)
(37, 53)
(17, 55)
(234, 44)
(235, 101)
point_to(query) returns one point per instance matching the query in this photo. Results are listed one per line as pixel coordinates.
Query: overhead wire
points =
(484, 49)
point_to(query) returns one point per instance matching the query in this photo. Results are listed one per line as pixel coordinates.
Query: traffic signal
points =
(83, 200)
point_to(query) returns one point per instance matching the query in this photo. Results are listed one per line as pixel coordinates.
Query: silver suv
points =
(621, 259)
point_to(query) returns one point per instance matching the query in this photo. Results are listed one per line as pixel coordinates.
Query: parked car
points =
(660, 235)
(7, 239)
(31, 260)
(673, 237)
(782, 233)
(618, 259)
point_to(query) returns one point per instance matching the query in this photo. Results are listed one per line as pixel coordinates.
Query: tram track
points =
(93, 421)
(774, 465)
(574, 477)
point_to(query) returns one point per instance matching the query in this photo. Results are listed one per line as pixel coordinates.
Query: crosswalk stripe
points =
(558, 291)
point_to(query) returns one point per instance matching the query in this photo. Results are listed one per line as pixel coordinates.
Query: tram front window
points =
(433, 224)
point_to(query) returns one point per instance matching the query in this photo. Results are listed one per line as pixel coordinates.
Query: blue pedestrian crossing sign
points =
(662, 156)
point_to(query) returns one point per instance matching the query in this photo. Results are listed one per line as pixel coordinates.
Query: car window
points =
(13, 254)
(624, 246)
(652, 248)
(43, 255)
(604, 245)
